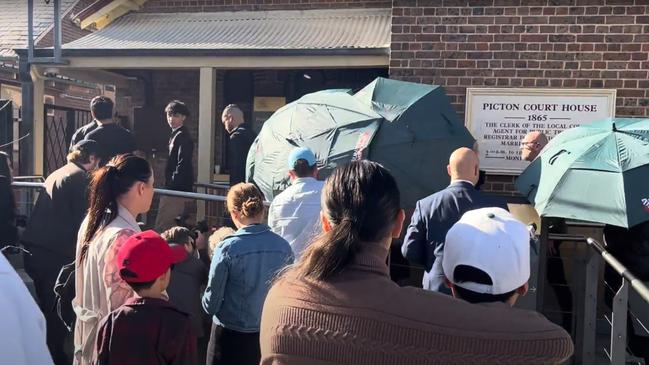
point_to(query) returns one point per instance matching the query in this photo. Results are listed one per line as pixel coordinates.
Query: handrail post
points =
(586, 318)
(618, 324)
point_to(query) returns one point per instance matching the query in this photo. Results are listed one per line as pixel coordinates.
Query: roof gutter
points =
(225, 52)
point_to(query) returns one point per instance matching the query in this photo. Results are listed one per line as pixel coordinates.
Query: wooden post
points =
(206, 120)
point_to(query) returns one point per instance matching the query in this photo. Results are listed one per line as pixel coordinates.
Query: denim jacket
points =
(241, 272)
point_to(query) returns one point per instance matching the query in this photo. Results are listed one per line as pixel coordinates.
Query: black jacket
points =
(630, 247)
(238, 146)
(186, 286)
(81, 133)
(113, 140)
(58, 212)
(8, 231)
(179, 173)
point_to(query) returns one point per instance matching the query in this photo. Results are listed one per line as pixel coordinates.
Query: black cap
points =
(88, 146)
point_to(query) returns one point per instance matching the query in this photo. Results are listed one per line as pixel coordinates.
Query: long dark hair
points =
(109, 183)
(360, 201)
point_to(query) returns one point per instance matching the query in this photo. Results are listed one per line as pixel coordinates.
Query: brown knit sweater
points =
(362, 317)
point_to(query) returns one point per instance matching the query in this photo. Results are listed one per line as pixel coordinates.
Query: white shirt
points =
(99, 289)
(294, 214)
(460, 180)
(22, 325)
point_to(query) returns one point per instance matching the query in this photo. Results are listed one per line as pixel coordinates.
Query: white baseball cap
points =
(492, 240)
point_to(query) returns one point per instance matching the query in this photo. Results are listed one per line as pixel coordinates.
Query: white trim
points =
(233, 62)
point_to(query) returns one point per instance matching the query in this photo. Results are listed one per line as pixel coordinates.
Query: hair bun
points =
(246, 199)
(252, 206)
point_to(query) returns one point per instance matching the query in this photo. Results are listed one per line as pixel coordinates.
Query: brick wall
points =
(251, 5)
(524, 43)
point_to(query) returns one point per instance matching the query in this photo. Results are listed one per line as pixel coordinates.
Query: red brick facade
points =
(525, 43)
(252, 5)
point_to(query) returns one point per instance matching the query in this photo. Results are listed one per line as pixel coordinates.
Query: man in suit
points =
(436, 214)
(241, 137)
(51, 235)
(179, 171)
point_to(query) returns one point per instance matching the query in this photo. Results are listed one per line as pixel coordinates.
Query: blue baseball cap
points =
(301, 153)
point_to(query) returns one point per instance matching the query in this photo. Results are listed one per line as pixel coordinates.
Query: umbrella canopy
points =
(597, 172)
(409, 128)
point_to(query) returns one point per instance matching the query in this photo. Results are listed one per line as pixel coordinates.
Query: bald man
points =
(532, 145)
(241, 137)
(435, 214)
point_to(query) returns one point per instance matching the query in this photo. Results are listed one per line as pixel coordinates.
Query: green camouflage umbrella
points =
(597, 172)
(409, 128)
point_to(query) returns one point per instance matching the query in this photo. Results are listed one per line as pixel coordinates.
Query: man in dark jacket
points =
(112, 138)
(241, 137)
(51, 234)
(437, 213)
(179, 171)
(80, 134)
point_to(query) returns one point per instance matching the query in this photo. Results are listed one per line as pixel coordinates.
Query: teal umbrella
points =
(597, 172)
(409, 128)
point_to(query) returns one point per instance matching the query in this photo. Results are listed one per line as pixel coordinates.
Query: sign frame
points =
(611, 94)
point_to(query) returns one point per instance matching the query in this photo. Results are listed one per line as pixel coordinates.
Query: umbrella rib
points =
(342, 108)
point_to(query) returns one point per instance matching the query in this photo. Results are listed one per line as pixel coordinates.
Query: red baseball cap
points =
(148, 256)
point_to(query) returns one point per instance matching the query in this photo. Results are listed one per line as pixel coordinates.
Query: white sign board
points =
(500, 118)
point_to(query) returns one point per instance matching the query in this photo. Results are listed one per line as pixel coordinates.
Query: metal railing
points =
(590, 321)
(621, 312)
(180, 194)
(212, 195)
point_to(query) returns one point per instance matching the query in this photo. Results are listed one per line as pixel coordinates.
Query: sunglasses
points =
(529, 144)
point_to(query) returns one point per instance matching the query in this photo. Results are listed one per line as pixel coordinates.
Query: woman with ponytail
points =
(242, 269)
(119, 191)
(337, 305)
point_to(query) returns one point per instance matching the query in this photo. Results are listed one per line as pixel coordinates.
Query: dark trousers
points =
(43, 267)
(557, 280)
(228, 347)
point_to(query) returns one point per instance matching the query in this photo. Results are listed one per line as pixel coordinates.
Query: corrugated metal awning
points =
(326, 31)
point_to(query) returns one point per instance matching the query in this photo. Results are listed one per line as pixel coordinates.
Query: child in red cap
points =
(146, 329)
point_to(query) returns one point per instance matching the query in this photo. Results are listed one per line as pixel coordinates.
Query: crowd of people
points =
(312, 286)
